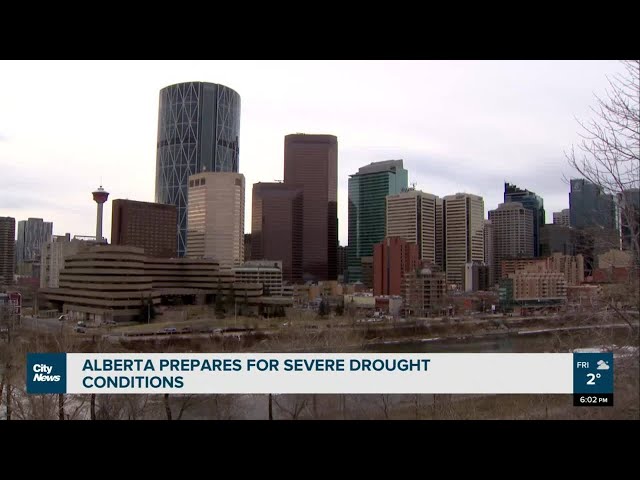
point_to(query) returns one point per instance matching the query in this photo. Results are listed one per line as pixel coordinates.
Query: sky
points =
(459, 126)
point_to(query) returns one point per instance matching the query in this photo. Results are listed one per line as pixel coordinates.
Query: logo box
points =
(46, 373)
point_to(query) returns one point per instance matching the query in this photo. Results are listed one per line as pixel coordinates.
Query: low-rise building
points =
(424, 291)
(266, 272)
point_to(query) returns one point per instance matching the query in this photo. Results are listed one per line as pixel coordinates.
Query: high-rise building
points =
(476, 276)
(463, 234)
(54, 254)
(590, 207)
(7, 249)
(392, 258)
(216, 217)
(32, 234)
(488, 251)
(342, 261)
(561, 218)
(530, 201)
(555, 238)
(311, 161)
(411, 215)
(440, 246)
(147, 225)
(276, 226)
(367, 210)
(512, 232)
(247, 247)
(198, 131)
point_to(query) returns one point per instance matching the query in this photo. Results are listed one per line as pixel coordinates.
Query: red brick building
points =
(392, 258)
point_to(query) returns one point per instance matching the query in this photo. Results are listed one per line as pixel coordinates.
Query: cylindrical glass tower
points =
(198, 131)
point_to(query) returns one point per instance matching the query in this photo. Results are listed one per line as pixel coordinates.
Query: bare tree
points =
(608, 154)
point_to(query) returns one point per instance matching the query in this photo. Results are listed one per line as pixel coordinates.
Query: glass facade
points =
(367, 209)
(589, 206)
(530, 201)
(198, 131)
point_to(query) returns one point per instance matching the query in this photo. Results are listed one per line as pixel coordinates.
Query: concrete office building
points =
(247, 247)
(488, 251)
(562, 218)
(266, 272)
(7, 250)
(216, 217)
(367, 208)
(311, 161)
(411, 215)
(276, 226)
(532, 202)
(146, 225)
(392, 258)
(198, 131)
(32, 234)
(463, 234)
(512, 232)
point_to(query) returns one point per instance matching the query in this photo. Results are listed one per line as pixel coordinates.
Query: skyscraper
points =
(561, 218)
(147, 225)
(488, 251)
(411, 215)
(32, 235)
(198, 131)
(367, 210)
(512, 232)
(590, 207)
(311, 161)
(7, 249)
(216, 217)
(463, 233)
(276, 227)
(530, 201)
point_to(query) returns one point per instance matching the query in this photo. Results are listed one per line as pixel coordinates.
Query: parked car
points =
(82, 324)
(170, 330)
(109, 322)
(79, 329)
(186, 330)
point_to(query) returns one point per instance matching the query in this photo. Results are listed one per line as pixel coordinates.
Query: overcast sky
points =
(460, 126)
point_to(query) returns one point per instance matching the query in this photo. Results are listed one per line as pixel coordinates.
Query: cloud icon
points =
(602, 365)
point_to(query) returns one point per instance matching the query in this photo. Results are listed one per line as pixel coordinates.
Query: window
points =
(191, 183)
(202, 181)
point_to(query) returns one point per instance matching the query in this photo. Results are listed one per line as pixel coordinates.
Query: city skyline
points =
(61, 139)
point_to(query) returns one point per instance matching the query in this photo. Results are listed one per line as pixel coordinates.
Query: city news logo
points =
(46, 372)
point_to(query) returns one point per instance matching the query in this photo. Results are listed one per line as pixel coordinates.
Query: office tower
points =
(556, 238)
(590, 207)
(561, 218)
(247, 246)
(476, 276)
(311, 161)
(392, 258)
(54, 254)
(512, 232)
(439, 234)
(342, 261)
(7, 249)
(488, 251)
(198, 131)
(32, 234)
(216, 217)
(147, 225)
(411, 215)
(463, 234)
(276, 227)
(99, 196)
(530, 201)
(367, 209)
